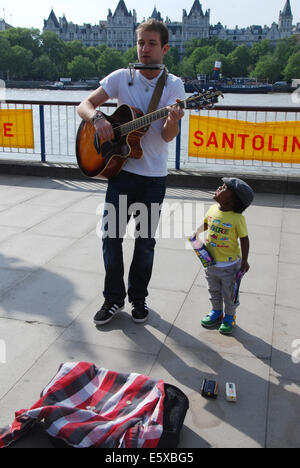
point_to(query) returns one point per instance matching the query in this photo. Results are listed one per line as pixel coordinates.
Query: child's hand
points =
(244, 266)
(200, 229)
(245, 251)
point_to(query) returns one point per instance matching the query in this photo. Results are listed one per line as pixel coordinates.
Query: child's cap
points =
(242, 190)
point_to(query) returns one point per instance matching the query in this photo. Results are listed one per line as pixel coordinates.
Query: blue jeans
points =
(123, 192)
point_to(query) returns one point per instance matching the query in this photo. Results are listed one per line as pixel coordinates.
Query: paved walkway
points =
(51, 276)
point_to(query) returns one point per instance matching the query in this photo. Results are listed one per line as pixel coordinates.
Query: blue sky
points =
(30, 13)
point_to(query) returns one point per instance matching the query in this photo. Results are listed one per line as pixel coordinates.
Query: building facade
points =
(118, 30)
(3, 25)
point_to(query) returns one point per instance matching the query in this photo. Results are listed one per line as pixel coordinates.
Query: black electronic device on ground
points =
(209, 388)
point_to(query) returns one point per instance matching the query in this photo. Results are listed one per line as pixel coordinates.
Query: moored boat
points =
(231, 86)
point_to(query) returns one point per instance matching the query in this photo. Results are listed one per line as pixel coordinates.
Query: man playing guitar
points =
(141, 181)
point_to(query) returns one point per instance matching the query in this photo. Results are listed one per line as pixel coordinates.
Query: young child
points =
(226, 226)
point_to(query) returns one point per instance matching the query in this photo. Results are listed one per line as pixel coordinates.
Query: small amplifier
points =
(230, 392)
(209, 389)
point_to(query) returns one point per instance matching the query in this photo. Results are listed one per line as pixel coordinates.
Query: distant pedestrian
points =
(226, 226)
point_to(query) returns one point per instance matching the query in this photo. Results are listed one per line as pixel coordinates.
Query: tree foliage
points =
(292, 69)
(81, 68)
(266, 68)
(20, 62)
(43, 68)
(109, 60)
(29, 54)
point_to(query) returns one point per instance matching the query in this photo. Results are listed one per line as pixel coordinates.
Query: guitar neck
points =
(146, 120)
(206, 99)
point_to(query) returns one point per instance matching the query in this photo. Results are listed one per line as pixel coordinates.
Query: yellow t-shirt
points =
(224, 230)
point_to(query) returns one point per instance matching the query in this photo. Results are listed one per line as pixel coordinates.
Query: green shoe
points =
(228, 324)
(212, 319)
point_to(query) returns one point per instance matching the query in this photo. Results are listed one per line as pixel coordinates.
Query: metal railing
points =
(251, 114)
(56, 123)
(55, 126)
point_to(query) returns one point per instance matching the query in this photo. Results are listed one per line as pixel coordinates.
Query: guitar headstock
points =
(205, 100)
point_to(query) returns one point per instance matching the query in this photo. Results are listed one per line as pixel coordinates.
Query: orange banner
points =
(16, 128)
(217, 138)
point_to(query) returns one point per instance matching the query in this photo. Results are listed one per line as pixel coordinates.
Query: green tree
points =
(130, 55)
(190, 65)
(73, 49)
(207, 65)
(30, 39)
(20, 62)
(171, 60)
(259, 49)
(93, 53)
(187, 68)
(81, 68)
(44, 69)
(284, 49)
(55, 48)
(239, 61)
(191, 45)
(224, 47)
(292, 70)
(5, 54)
(201, 53)
(110, 60)
(267, 68)
(27, 53)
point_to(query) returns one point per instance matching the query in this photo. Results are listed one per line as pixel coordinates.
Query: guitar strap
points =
(157, 92)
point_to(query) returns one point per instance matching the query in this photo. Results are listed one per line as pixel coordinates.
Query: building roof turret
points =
(122, 8)
(196, 8)
(287, 10)
(156, 15)
(52, 17)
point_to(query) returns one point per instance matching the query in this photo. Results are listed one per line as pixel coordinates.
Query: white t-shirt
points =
(155, 149)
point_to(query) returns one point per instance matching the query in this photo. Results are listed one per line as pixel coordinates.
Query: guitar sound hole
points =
(124, 150)
(117, 134)
(109, 148)
(106, 149)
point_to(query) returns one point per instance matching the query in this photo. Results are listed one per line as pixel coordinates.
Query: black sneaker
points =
(107, 312)
(139, 311)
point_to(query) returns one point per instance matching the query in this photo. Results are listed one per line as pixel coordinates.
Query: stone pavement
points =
(51, 276)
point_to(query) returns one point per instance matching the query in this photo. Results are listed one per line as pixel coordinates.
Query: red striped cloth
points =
(88, 406)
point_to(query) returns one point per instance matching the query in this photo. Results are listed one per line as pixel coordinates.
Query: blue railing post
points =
(42, 134)
(178, 144)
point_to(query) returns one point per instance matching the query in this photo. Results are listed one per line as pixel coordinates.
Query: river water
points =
(271, 99)
(60, 139)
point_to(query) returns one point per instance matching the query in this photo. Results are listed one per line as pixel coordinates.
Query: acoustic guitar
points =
(104, 160)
